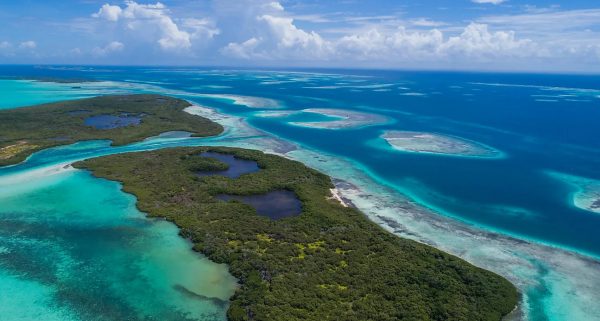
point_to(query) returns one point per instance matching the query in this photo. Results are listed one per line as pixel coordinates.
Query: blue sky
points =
(509, 35)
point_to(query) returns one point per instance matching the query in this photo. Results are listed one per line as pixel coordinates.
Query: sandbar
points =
(248, 101)
(586, 194)
(342, 119)
(432, 143)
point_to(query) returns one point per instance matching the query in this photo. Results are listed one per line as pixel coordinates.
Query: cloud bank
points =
(265, 32)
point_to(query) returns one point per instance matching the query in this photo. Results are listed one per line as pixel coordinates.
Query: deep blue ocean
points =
(547, 128)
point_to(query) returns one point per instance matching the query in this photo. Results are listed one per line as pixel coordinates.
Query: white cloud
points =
(289, 37)
(547, 21)
(5, 45)
(566, 34)
(276, 6)
(425, 22)
(396, 45)
(28, 44)
(201, 28)
(477, 41)
(114, 46)
(278, 38)
(265, 32)
(153, 21)
(489, 1)
(108, 12)
(244, 50)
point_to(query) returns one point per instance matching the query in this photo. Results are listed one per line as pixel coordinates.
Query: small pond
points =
(237, 166)
(112, 121)
(275, 205)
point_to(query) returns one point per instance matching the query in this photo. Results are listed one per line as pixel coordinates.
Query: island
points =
(431, 143)
(123, 119)
(320, 261)
(298, 251)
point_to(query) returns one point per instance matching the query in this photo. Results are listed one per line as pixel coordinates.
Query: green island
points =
(24, 131)
(328, 263)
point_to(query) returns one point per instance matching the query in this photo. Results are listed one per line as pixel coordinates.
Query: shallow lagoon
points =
(76, 248)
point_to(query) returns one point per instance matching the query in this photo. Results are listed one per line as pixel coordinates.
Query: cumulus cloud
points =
(114, 46)
(424, 22)
(279, 38)
(477, 41)
(265, 32)
(108, 12)
(489, 1)
(28, 44)
(149, 20)
(276, 6)
(244, 50)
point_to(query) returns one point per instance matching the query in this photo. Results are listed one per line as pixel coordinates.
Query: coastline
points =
(336, 195)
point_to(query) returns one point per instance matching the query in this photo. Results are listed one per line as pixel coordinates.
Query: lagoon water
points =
(506, 214)
(73, 247)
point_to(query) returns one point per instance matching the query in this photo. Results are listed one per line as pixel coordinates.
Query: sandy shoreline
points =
(337, 196)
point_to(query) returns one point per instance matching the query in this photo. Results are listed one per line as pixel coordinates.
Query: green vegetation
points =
(24, 131)
(329, 263)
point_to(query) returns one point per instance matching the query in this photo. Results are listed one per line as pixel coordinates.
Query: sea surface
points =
(520, 214)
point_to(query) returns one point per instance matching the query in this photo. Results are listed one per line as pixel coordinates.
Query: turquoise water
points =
(506, 214)
(17, 93)
(73, 247)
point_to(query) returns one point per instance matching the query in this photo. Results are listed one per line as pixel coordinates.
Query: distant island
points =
(320, 261)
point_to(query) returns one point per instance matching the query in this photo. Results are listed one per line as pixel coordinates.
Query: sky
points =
(503, 35)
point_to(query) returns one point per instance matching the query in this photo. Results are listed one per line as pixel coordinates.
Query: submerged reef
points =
(329, 262)
(586, 191)
(343, 119)
(431, 143)
(248, 101)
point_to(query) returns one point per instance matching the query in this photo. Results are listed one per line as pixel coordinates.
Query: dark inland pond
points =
(237, 166)
(275, 205)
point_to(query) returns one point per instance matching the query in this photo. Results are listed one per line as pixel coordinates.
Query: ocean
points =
(525, 213)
